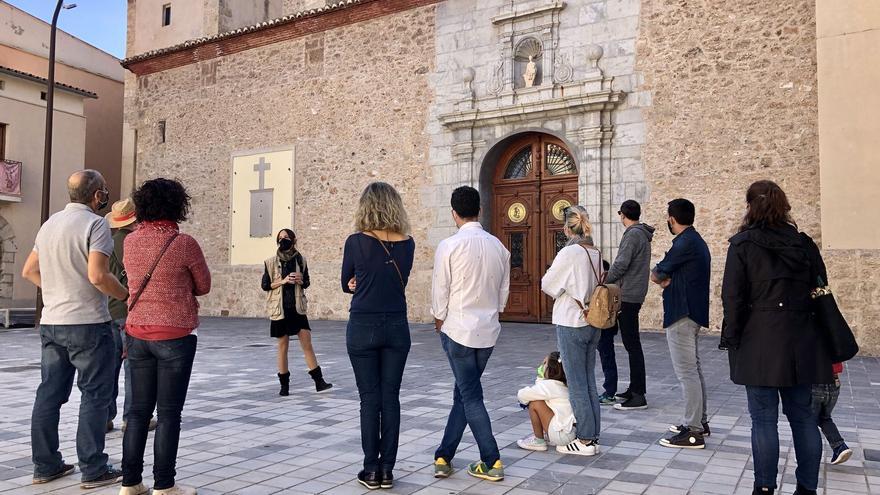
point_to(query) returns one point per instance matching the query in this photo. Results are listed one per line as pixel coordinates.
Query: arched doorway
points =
(535, 179)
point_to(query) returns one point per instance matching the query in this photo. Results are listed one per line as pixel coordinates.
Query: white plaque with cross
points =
(262, 203)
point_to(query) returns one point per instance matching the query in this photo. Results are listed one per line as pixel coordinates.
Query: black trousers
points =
(628, 321)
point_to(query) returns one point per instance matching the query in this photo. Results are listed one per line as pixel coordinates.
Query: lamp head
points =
(69, 6)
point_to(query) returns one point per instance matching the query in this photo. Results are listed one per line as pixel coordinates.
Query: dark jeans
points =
(378, 345)
(118, 327)
(577, 347)
(764, 410)
(608, 360)
(468, 409)
(628, 321)
(824, 400)
(86, 350)
(160, 372)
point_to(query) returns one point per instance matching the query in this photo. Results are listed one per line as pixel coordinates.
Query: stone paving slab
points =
(240, 437)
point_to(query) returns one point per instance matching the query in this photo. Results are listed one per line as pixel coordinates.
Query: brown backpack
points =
(604, 301)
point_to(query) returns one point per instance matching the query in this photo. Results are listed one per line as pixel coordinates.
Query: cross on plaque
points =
(261, 203)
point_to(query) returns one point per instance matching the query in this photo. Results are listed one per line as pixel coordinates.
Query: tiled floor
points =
(240, 437)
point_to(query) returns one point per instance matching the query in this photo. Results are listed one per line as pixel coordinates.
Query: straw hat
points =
(121, 214)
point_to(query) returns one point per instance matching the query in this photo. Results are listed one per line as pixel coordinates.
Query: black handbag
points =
(842, 345)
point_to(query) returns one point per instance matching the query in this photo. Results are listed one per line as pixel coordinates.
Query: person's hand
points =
(352, 284)
(438, 324)
(296, 278)
(665, 283)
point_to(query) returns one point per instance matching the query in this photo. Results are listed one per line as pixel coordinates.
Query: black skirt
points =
(292, 323)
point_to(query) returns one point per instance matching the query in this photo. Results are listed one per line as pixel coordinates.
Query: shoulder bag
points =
(604, 301)
(149, 275)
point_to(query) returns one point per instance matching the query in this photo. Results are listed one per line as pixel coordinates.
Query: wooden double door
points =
(535, 180)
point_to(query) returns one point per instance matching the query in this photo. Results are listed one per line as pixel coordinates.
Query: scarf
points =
(286, 256)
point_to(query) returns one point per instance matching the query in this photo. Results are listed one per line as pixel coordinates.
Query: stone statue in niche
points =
(530, 73)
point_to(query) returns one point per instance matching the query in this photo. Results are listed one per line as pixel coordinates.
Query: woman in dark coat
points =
(774, 347)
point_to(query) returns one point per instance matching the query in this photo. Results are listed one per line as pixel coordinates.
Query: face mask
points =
(285, 244)
(669, 225)
(541, 372)
(103, 203)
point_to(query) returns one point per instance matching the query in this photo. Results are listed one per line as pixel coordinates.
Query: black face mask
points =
(669, 225)
(285, 244)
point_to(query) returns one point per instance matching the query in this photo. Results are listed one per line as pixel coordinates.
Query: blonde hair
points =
(381, 208)
(578, 221)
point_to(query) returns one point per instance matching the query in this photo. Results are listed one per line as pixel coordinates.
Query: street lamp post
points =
(47, 151)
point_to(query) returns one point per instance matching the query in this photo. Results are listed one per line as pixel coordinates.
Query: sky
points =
(98, 22)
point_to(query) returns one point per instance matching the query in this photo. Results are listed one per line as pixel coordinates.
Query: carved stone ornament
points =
(530, 73)
(562, 72)
(496, 83)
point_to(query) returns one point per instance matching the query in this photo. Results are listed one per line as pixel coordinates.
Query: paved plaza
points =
(240, 437)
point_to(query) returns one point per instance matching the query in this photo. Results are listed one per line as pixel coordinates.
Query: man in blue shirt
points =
(684, 275)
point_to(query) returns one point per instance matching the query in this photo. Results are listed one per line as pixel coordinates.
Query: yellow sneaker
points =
(442, 469)
(479, 470)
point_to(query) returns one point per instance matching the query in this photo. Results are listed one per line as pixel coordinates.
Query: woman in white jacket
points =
(549, 408)
(570, 280)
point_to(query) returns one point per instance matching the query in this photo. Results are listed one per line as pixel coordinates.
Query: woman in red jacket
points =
(166, 271)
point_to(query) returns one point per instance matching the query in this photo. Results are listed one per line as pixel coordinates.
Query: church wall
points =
(352, 116)
(467, 39)
(733, 100)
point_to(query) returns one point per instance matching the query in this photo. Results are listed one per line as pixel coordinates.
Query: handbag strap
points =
(397, 268)
(149, 274)
(593, 268)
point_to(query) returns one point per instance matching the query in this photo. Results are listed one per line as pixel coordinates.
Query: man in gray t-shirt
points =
(70, 263)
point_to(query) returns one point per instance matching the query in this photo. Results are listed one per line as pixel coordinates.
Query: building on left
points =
(87, 133)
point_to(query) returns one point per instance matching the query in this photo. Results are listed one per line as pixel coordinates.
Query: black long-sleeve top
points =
(379, 288)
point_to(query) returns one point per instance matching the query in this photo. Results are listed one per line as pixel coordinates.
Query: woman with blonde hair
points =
(376, 265)
(570, 280)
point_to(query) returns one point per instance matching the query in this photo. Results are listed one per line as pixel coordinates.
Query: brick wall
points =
(356, 112)
(733, 100)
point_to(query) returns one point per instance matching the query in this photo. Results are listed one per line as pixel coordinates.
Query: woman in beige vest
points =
(285, 278)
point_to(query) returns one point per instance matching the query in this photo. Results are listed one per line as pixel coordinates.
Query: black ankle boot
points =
(285, 383)
(803, 491)
(762, 491)
(320, 384)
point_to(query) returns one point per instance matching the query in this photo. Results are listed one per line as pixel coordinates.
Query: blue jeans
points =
(160, 372)
(86, 350)
(118, 327)
(824, 399)
(378, 345)
(764, 410)
(468, 409)
(608, 360)
(577, 347)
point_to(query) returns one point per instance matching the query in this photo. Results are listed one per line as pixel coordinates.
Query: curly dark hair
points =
(554, 369)
(161, 199)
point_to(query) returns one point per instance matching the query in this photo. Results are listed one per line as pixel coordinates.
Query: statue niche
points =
(528, 59)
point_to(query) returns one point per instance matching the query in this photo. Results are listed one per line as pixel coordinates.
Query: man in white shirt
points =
(470, 287)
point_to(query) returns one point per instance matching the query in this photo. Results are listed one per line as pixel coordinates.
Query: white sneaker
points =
(176, 490)
(577, 447)
(532, 442)
(138, 489)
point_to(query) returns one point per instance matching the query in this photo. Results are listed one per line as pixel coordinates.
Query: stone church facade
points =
(538, 103)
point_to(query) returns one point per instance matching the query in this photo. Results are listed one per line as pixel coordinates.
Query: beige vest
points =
(274, 298)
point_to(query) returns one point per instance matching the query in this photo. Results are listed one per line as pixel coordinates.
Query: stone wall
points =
(353, 103)
(733, 100)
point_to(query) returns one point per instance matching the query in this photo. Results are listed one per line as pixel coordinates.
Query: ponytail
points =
(768, 206)
(577, 220)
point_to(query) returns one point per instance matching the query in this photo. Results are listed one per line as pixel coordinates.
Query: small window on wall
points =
(161, 131)
(166, 14)
(43, 95)
(2, 141)
(2, 84)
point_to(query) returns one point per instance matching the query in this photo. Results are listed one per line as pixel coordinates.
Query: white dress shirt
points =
(570, 277)
(470, 286)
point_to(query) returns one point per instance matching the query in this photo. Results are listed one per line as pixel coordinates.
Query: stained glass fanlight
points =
(520, 165)
(559, 162)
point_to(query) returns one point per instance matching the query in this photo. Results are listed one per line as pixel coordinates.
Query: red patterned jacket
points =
(169, 300)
